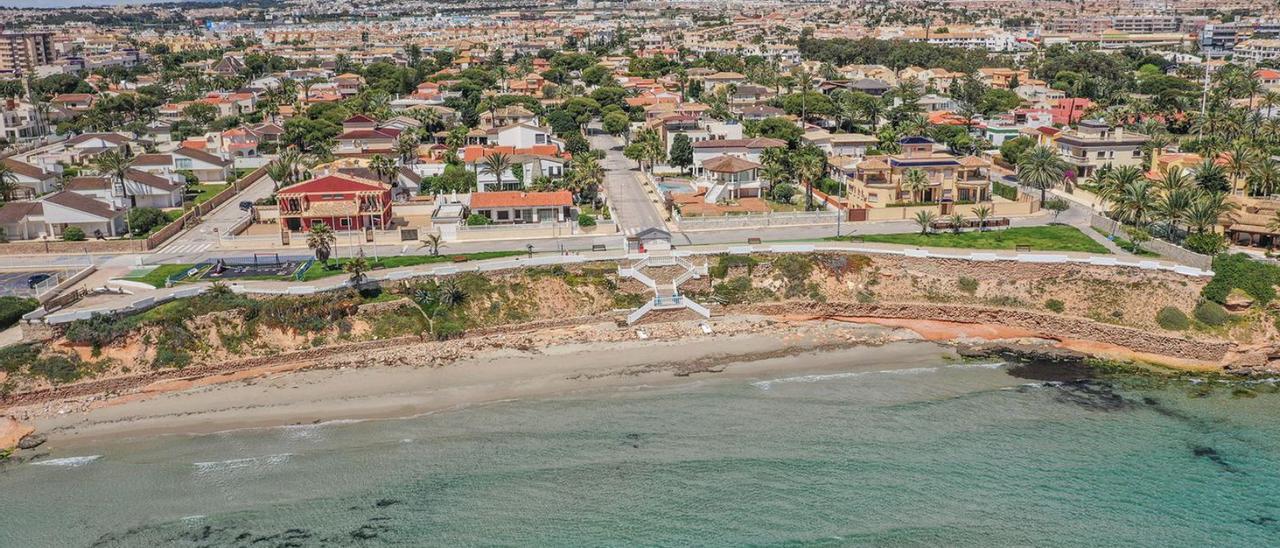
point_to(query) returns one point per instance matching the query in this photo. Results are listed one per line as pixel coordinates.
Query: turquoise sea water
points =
(952, 455)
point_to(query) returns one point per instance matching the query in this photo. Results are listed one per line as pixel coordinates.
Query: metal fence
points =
(797, 218)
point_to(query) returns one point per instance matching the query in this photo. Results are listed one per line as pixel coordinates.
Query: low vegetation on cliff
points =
(221, 326)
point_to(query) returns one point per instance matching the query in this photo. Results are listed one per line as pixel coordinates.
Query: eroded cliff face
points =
(1111, 305)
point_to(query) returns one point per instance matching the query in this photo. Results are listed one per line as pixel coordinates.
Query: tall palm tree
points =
(1041, 168)
(1172, 207)
(8, 183)
(809, 167)
(115, 164)
(496, 164)
(407, 148)
(321, 240)
(1135, 203)
(1264, 178)
(1173, 179)
(916, 182)
(383, 167)
(587, 176)
(1242, 158)
(1210, 209)
(1211, 177)
(357, 267)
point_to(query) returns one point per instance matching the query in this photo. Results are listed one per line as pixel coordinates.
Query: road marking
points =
(180, 248)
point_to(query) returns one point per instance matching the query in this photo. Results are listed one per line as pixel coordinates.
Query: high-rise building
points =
(22, 52)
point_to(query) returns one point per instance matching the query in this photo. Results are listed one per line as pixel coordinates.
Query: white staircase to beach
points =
(665, 296)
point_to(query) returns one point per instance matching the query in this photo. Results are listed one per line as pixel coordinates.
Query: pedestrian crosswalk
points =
(184, 248)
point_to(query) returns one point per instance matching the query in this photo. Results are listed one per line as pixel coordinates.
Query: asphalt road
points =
(14, 283)
(622, 184)
(204, 236)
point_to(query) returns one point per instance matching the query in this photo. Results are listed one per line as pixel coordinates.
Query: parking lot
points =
(15, 282)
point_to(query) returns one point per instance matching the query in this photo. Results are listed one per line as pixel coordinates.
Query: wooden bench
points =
(753, 241)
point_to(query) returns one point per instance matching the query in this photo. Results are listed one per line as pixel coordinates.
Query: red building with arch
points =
(344, 202)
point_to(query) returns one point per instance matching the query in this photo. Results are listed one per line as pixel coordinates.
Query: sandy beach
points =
(285, 395)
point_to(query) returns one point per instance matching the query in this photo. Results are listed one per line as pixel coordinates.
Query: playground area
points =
(259, 266)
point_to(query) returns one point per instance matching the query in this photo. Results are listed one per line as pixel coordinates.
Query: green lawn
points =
(203, 193)
(157, 277)
(1127, 245)
(1038, 238)
(318, 271)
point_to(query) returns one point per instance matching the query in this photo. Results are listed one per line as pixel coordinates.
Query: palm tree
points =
(774, 173)
(383, 167)
(587, 176)
(1173, 179)
(8, 183)
(1264, 178)
(1134, 203)
(1210, 209)
(809, 167)
(357, 267)
(1116, 180)
(916, 182)
(1274, 223)
(1211, 177)
(115, 164)
(321, 240)
(407, 148)
(496, 164)
(956, 221)
(433, 241)
(925, 219)
(1172, 207)
(982, 213)
(1041, 168)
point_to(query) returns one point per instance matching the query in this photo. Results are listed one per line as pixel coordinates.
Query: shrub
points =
(1240, 271)
(13, 358)
(58, 369)
(476, 219)
(726, 261)
(143, 219)
(783, 192)
(585, 220)
(1055, 305)
(73, 234)
(99, 330)
(1172, 319)
(1211, 313)
(1207, 243)
(12, 309)
(967, 284)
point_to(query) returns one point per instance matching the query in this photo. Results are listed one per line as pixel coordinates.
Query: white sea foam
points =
(69, 461)
(246, 462)
(981, 365)
(765, 385)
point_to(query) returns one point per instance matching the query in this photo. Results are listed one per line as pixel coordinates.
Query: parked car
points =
(246, 205)
(36, 279)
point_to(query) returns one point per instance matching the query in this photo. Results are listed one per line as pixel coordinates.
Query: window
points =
(182, 163)
(540, 138)
(504, 215)
(344, 222)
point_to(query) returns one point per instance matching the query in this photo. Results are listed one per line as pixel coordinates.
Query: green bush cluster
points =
(1172, 319)
(73, 234)
(1055, 305)
(1239, 270)
(1211, 313)
(967, 285)
(56, 368)
(1206, 243)
(585, 220)
(725, 262)
(12, 309)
